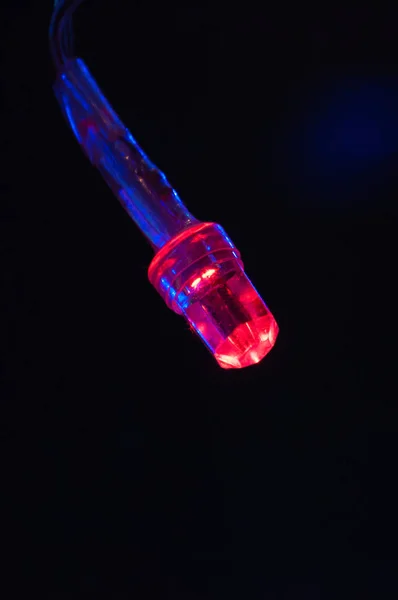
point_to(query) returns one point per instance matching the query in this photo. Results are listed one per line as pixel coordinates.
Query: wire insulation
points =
(61, 31)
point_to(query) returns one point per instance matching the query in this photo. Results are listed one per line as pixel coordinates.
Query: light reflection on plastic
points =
(205, 275)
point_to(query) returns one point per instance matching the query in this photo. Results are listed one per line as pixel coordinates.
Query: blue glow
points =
(69, 115)
(340, 138)
(142, 189)
(354, 128)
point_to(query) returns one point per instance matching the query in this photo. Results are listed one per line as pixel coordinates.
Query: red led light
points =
(205, 275)
(199, 273)
(248, 344)
(196, 269)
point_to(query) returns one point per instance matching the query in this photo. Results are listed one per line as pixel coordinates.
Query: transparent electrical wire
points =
(61, 31)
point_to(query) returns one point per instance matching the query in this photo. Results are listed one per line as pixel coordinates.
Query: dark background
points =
(131, 463)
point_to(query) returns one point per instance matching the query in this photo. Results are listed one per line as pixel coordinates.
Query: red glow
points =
(205, 275)
(208, 273)
(248, 344)
(200, 275)
(196, 282)
(233, 320)
(180, 238)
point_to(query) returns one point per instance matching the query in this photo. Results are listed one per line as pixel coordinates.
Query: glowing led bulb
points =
(200, 275)
(196, 269)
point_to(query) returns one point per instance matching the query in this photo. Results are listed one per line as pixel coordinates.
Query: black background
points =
(131, 463)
